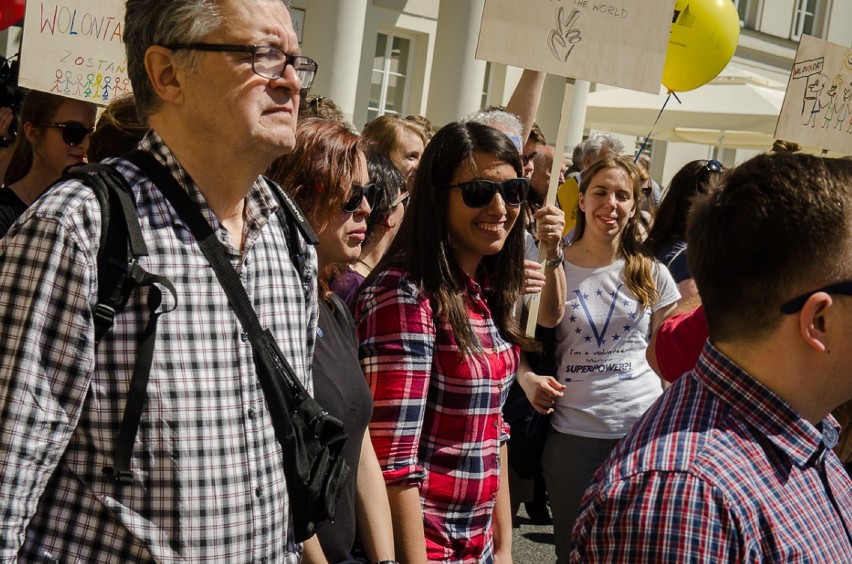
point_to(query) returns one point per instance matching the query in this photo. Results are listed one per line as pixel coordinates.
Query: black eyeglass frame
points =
(797, 303)
(73, 132)
(306, 69)
(357, 195)
(471, 199)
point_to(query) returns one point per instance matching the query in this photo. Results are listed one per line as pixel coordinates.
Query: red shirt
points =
(437, 420)
(679, 342)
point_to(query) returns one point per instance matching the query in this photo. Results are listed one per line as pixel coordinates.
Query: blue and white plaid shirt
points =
(209, 483)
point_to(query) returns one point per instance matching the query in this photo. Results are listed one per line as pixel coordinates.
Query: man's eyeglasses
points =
(797, 303)
(527, 157)
(710, 166)
(479, 193)
(357, 194)
(73, 132)
(266, 61)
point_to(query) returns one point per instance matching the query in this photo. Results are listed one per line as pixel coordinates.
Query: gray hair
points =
(501, 119)
(599, 141)
(154, 22)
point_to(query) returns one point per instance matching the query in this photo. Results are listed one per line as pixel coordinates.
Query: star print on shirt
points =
(616, 337)
(587, 338)
(627, 327)
(599, 293)
(572, 319)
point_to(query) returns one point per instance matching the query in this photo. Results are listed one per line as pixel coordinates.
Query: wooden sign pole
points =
(561, 136)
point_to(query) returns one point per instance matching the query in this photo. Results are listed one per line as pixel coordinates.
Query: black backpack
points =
(315, 468)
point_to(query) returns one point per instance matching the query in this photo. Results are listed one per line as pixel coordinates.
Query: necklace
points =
(367, 266)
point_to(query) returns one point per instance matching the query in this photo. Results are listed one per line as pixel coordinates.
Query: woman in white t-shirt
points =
(617, 293)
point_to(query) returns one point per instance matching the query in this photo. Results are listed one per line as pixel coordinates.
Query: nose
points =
(364, 209)
(497, 205)
(289, 79)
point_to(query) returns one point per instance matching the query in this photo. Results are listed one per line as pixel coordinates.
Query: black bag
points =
(529, 427)
(311, 439)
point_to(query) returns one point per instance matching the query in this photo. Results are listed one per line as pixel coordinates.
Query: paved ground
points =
(532, 544)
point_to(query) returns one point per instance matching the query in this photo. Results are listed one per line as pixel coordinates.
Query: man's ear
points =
(163, 73)
(814, 321)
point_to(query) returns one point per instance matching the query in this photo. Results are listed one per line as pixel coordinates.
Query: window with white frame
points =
(747, 10)
(807, 18)
(389, 84)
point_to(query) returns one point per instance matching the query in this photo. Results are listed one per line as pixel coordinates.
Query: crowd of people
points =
(691, 343)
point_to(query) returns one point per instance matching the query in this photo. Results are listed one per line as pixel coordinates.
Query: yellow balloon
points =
(702, 40)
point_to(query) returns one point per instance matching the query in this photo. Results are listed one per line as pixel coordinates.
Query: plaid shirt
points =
(208, 479)
(437, 419)
(719, 470)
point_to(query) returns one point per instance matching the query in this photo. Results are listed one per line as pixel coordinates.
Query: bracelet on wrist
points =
(556, 261)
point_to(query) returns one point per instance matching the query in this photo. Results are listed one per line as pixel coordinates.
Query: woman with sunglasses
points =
(52, 135)
(617, 293)
(440, 347)
(667, 238)
(327, 176)
(382, 224)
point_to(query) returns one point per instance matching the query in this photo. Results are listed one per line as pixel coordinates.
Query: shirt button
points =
(500, 386)
(258, 491)
(251, 413)
(496, 424)
(244, 336)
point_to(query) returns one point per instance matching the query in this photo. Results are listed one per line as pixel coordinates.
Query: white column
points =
(457, 77)
(577, 117)
(333, 36)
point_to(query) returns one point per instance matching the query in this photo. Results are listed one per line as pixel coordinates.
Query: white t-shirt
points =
(600, 352)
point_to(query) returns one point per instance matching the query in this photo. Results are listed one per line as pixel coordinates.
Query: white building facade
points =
(417, 57)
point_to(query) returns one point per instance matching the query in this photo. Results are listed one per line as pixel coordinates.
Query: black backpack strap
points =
(289, 214)
(119, 273)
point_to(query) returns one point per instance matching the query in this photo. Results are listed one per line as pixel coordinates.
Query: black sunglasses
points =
(479, 193)
(797, 303)
(710, 166)
(357, 194)
(73, 132)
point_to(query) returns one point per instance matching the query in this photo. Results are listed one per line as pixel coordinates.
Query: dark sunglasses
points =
(797, 303)
(401, 199)
(710, 166)
(358, 193)
(479, 193)
(73, 132)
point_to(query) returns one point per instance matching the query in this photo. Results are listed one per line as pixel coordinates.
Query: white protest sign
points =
(817, 109)
(74, 48)
(618, 42)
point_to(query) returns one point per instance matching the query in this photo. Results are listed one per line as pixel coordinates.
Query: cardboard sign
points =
(75, 49)
(817, 109)
(617, 42)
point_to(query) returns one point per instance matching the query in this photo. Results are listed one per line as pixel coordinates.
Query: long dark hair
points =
(422, 245)
(670, 221)
(37, 108)
(638, 265)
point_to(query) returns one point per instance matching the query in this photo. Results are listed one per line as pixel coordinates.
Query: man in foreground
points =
(734, 462)
(218, 83)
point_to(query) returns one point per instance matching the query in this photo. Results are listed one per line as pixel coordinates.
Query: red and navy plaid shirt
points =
(720, 469)
(437, 419)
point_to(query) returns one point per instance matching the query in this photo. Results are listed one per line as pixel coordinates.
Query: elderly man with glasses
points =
(219, 83)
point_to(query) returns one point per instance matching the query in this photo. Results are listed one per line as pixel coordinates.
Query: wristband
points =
(560, 256)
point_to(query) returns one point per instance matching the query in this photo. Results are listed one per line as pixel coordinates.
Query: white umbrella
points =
(734, 111)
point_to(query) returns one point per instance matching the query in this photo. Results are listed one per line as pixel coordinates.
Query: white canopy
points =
(730, 111)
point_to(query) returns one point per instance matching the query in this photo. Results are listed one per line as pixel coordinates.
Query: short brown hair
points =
(774, 227)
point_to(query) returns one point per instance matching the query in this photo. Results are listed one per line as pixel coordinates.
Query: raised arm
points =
(525, 99)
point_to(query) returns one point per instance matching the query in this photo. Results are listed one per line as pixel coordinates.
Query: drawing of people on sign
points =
(819, 93)
(814, 99)
(830, 106)
(844, 107)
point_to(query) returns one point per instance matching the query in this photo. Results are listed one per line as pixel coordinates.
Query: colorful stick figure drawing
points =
(814, 97)
(58, 80)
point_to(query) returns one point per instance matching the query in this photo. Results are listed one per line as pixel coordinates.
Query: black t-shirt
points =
(341, 388)
(11, 208)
